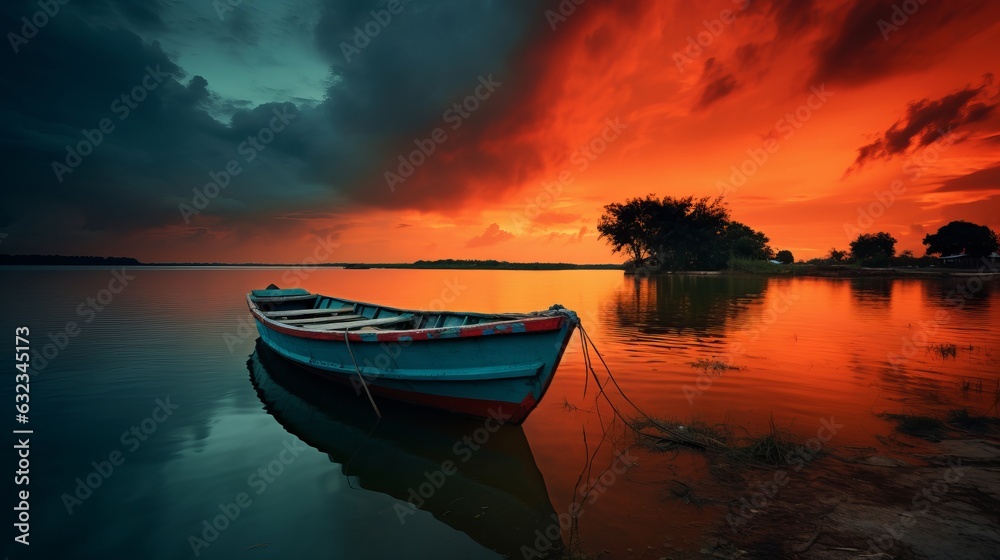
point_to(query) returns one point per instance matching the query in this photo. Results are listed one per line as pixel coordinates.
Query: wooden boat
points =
(488, 365)
(496, 494)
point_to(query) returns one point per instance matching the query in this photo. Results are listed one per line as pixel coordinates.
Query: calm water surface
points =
(288, 467)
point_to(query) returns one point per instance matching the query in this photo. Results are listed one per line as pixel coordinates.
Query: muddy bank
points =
(921, 500)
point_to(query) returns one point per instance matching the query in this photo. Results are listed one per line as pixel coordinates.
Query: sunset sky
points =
(531, 117)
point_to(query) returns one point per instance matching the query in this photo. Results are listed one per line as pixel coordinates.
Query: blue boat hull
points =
(494, 369)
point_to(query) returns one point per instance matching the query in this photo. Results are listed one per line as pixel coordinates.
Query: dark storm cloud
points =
(440, 54)
(855, 42)
(162, 144)
(400, 86)
(59, 92)
(242, 27)
(71, 76)
(717, 84)
(418, 63)
(877, 38)
(791, 17)
(925, 122)
(143, 14)
(987, 179)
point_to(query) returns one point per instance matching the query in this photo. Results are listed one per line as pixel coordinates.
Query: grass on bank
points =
(756, 266)
(726, 441)
(929, 427)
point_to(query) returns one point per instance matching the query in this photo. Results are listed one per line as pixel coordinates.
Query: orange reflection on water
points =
(799, 350)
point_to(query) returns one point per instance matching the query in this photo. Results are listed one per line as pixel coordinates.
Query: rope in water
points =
(668, 433)
(361, 378)
(585, 342)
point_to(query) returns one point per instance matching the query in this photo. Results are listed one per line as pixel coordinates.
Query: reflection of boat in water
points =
(494, 493)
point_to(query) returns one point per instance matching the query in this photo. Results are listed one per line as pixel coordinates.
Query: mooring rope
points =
(585, 341)
(610, 375)
(672, 435)
(586, 360)
(347, 340)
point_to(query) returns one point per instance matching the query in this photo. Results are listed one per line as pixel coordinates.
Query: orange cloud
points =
(491, 236)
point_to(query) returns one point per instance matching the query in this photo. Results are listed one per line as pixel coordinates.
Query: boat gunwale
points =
(529, 322)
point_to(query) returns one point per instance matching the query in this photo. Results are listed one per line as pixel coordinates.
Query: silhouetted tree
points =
(627, 227)
(747, 243)
(679, 233)
(906, 258)
(836, 255)
(688, 233)
(962, 237)
(873, 249)
(784, 256)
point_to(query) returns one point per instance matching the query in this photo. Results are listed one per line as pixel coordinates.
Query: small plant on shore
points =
(931, 428)
(965, 420)
(768, 449)
(918, 426)
(661, 435)
(771, 448)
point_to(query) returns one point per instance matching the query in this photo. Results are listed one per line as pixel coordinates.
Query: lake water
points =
(161, 431)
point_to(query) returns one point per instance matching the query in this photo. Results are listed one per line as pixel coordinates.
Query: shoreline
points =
(891, 273)
(821, 271)
(926, 487)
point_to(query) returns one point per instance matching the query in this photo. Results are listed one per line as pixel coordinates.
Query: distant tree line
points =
(699, 234)
(955, 238)
(62, 260)
(681, 233)
(503, 265)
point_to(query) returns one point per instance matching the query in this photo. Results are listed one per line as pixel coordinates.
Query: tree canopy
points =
(745, 242)
(962, 237)
(627, 227)
(784, 256)
(680, 233)
(873, 249)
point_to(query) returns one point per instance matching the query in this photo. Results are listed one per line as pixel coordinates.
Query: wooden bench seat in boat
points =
(302, 312)
(330, 319)
(347, 325)
(282, 299)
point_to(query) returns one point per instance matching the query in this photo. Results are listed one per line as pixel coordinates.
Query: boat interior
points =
(298, 308)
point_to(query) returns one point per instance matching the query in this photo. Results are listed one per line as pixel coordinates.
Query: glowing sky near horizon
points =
(807, 115)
